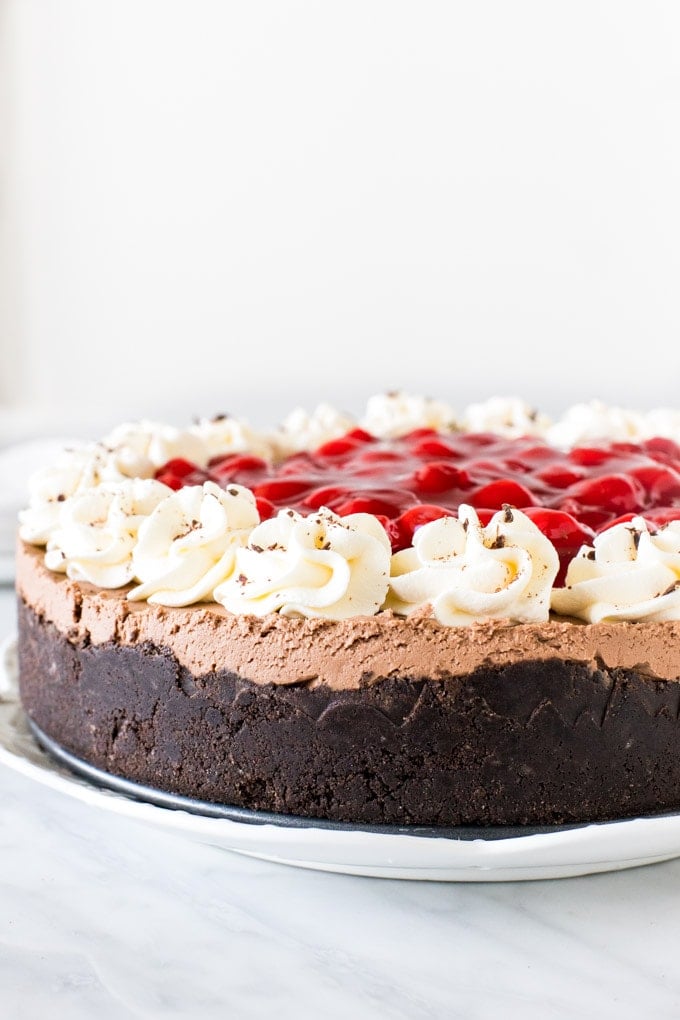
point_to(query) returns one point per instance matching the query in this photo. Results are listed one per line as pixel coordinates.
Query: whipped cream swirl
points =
(630, 573)
(662, 421)
(389, 415)
(505, 416)
(304, 431)
(470, 573)
(188, 544)
(223, 435)
(75, 470)
(139, 448)
(97, 531)
(318, 566)
(585, 423)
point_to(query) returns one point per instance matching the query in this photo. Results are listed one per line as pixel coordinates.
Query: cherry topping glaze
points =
(424, 475)
(177, 473)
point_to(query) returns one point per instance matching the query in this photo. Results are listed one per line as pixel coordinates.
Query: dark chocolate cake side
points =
(533, 742)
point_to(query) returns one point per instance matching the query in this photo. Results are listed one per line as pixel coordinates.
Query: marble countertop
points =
(103, 917)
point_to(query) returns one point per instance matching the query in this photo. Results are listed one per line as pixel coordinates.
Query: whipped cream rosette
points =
(318, 566)
(303, 430)
(663, 421)
(75, 470)
(505, 416)
(188, 545)
(141, 447)
(97, 531)
(223, 434)
(587, 423)
(629, 573)
(395, 414)
(469, 573)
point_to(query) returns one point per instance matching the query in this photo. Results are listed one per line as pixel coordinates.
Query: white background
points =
(207, 206)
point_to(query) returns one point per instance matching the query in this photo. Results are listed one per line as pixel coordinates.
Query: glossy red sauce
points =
(425, 475)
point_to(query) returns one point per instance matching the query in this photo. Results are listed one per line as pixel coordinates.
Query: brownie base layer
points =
(531, 743)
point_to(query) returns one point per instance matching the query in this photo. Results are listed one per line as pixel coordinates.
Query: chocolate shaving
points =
(192, 527)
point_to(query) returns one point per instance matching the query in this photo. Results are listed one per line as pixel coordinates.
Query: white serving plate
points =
(351, 849)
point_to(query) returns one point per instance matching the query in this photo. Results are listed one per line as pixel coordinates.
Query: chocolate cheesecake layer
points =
(530, 742)
(340, 654)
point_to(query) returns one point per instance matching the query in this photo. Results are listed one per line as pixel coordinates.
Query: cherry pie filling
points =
(425, 475)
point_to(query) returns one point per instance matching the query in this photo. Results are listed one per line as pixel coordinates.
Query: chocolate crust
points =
(532, 742)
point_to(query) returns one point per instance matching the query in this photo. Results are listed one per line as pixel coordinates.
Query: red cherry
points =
(265, 508)
(417, 434)
(589, 456)
(439, 476)
(167, 478)
(479, 439)
(663, 515)
(419, 515)
(328, 495)
(619, 494)
(664, 450)
(431, 447)
(297, 464)
(399, 538)
(175, 481)
(177, 473)
(560, 475)
(592, 517)
(368, 504)
(559, 526)
(564, 531)
(423, 513)
(623, 519)
(535, 453)
(179, 466)
(376, 457)
(281, 490)
(361, 436)
(485, 513)
(624, 447)
(338, 448)
(515, 465)
(236, 463)
(505, 490)
(482, 467)
(662, 484)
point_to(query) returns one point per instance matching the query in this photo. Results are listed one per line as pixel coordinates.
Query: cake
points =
(416, 619)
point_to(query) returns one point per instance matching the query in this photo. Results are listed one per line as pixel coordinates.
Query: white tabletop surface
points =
(104, 918)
